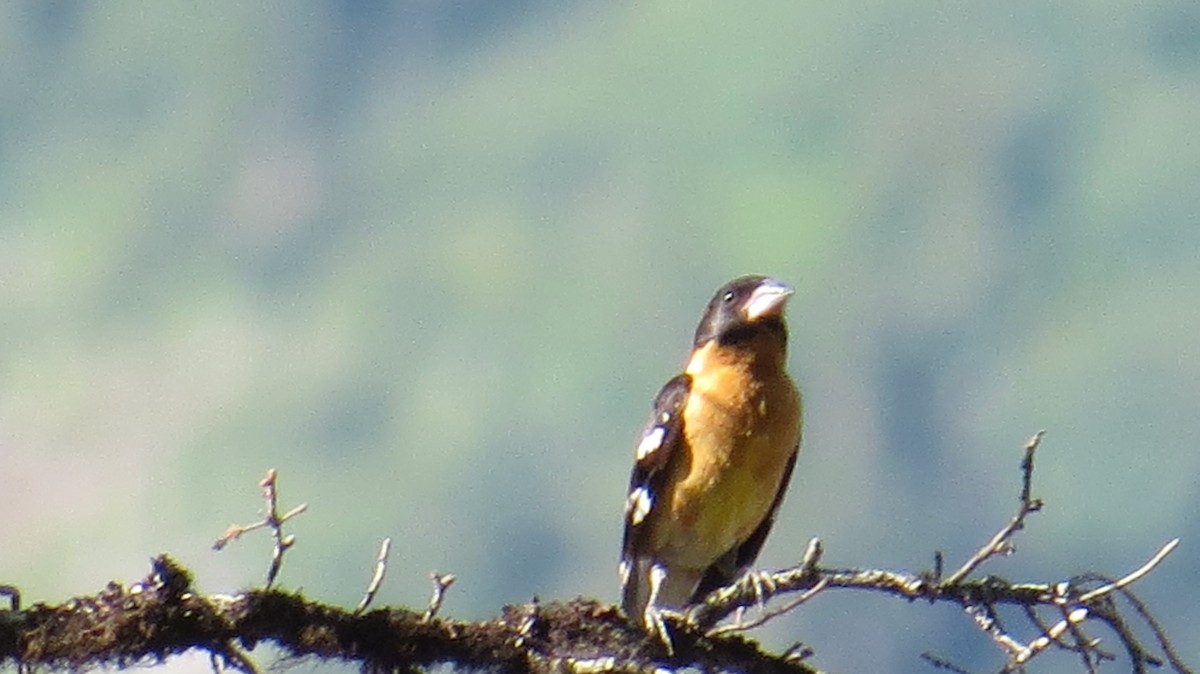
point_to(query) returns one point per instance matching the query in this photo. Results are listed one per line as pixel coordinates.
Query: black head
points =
(743, 306)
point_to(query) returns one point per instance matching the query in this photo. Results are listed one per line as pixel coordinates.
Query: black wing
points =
(656, 445)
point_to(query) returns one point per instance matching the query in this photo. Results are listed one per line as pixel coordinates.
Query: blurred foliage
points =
(432, 260)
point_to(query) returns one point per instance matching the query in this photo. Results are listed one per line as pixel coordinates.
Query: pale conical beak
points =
(768, 300)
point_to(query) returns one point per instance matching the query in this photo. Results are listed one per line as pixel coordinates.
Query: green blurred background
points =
(432, 260)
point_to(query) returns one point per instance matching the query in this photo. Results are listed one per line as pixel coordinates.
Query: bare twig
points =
(377, 577)
(797, 652)
(1077, 609)
(942, 663)
(440, 583)
(1001, 542)
(984, 617)
(758, 588)
(762, 584)
(775, 613)
(1088, 649)
(272, 520)
(1052, 635)
(1159, 633)
(1132, 576)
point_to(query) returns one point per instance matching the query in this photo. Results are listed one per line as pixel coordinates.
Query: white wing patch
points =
(638, 505)
(651, 442)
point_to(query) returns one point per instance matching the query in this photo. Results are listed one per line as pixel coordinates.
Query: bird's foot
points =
(762, 584)
(654, 619)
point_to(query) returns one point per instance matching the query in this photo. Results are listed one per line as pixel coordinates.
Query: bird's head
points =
(743, 307)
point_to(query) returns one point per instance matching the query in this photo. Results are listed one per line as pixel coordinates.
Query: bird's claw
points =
(655, 622)
(762, 584)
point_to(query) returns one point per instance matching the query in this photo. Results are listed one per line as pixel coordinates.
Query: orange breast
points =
(741, 427)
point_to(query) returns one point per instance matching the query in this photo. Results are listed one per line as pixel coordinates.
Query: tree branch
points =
(978, 597)
(163, 615)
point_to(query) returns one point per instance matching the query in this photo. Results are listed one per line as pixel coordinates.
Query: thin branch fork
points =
(1000, 543)
(441, 583)
(978, 596)
(272, 520)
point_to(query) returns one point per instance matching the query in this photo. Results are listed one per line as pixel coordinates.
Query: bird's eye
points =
(728, 297)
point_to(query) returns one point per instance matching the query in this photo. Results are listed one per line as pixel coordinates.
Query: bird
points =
(714, 461)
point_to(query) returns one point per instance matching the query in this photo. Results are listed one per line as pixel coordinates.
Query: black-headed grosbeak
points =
(714, 461)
